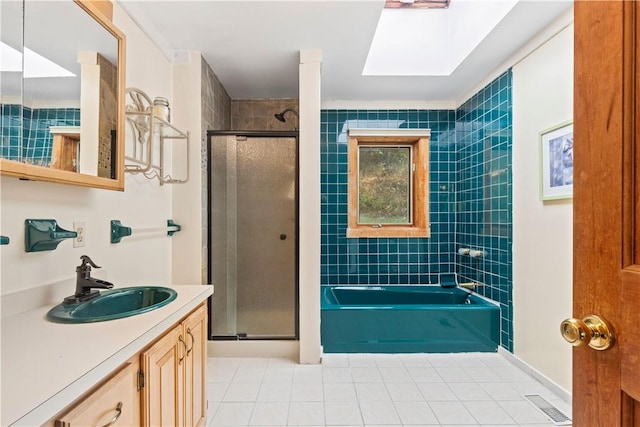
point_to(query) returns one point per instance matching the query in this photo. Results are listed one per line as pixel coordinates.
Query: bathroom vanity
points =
(147, 369)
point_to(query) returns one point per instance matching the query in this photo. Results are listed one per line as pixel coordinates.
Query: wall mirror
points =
(62, 93)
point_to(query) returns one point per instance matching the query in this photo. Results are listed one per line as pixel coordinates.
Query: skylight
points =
(434, 4)
(35, 65)
(431, 41)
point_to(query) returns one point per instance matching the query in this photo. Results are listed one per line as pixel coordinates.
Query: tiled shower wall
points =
(216, 115)
(469, 200)
(365, 261)
(10, 131)
(36, 142)
(258, 114)
(484, 193)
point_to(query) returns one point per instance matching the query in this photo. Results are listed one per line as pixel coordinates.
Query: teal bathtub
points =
(407, 319)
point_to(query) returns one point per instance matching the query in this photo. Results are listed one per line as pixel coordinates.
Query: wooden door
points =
(606, 384)
(195, 380)
(117, 401)
(163, 389)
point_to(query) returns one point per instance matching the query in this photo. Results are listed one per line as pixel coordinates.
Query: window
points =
(388, 183)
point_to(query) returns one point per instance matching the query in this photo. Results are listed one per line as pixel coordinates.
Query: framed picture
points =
(556, 162)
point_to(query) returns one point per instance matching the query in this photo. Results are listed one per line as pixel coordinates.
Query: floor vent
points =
(551, 411)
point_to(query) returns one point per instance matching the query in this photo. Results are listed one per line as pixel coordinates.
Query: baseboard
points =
(244, 348)
(543, 379)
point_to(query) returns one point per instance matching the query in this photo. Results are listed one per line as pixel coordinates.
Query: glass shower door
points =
(253, 237)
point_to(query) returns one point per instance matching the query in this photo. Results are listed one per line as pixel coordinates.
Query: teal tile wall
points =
(363, 261)
(26, 136)
(484, 195)
(470, 200)
(10, 131)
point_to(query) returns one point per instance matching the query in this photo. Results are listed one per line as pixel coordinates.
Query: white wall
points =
(143, 204)
(187, 262)
(309, 216)
(542, 231)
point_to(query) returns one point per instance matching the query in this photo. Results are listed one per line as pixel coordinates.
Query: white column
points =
(309, 238)
(90, 116)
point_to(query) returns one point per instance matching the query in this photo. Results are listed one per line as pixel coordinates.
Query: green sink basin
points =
(113, 304)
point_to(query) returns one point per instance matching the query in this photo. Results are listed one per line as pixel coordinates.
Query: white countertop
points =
(46, 366)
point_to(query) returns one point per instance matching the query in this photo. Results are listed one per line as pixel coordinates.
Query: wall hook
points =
(44, 235)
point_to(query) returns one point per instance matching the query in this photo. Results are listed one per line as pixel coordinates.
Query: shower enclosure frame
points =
(254, 134)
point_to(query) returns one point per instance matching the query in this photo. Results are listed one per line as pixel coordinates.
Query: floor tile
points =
(249, 373)
(415, 360)
(404, 392)
(216, 391)
(416, 413)
(233, 414)
(388, 361)
(270, 414)
(242, 392)
(375, 390)
(452, 413)
(501, 391)
(274, 392)
(468, 391)
(453, 374)
(306, 414)
(375, 413)
(278, 375)
(442, 360)
(424, 374)
(395, 374)
(335, 360)
(307, 373)
(307, 392)
(372, 392)
(482, 374)
(488, 413)
(366, 375)
(436, 392)
(336, 375)
(512, 374)
(339, 393)
(362, 361)
(341, 413)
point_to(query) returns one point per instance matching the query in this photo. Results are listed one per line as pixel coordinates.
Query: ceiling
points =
(253, 46)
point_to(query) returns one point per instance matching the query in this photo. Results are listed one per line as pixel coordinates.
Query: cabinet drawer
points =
(118, 395)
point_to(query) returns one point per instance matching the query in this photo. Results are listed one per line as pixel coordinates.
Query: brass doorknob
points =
(592, 330)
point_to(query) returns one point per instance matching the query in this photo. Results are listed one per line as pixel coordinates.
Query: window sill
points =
(387, 231)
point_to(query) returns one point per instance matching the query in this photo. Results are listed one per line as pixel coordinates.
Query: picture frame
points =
(556, 162)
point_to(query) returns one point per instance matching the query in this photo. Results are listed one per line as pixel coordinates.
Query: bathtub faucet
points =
(468, 285)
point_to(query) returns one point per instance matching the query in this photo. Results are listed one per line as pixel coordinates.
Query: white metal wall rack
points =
(146, 127)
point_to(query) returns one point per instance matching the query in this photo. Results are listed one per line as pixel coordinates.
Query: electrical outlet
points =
(81, 238)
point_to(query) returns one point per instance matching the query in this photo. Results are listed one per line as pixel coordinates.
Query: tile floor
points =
(375, 389)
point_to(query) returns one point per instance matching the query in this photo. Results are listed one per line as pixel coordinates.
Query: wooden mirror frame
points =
(100, 10)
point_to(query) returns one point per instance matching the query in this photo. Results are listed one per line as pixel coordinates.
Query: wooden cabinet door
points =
(116, 400)
(195, 332)
(606, 384)
(162, 365)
